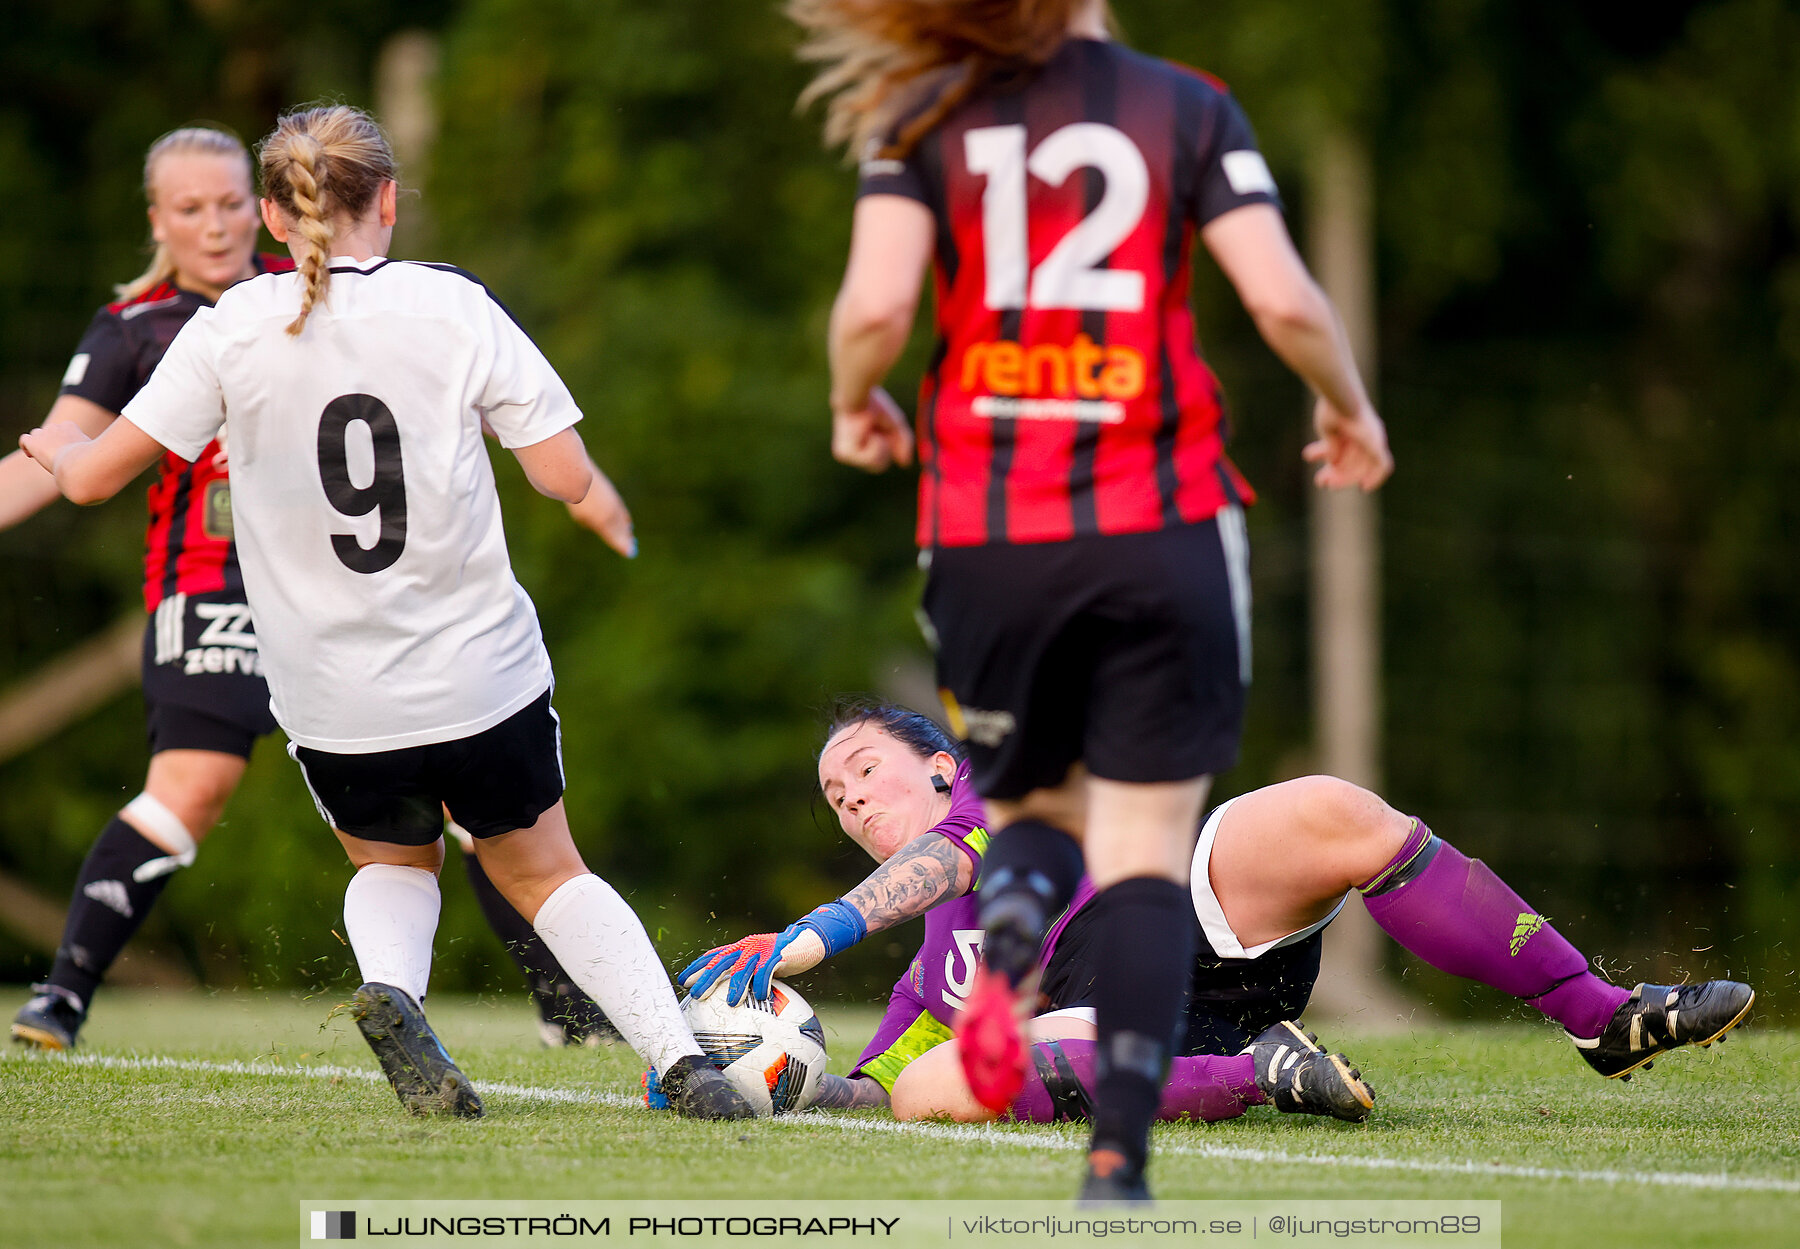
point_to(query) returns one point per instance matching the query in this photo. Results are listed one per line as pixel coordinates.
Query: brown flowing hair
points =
(882, 57)
(319, 163)
(188, 141)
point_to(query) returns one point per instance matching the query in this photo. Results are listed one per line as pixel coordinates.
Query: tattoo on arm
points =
(849, 1093)
(922, 873)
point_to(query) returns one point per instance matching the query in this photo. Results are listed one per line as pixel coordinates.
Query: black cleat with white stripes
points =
(1300, 1078)
(1659, 1017)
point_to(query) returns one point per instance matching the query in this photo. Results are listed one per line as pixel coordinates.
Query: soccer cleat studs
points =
(49, 1021)
(1298, 1077)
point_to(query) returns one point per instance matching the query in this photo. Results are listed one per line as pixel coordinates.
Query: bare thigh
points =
(365, 853)
(1143, 830)
(933, 1087)
(1285, 854)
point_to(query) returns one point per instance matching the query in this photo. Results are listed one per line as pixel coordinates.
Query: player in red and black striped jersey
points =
(188, 549)
(204, 692)
(1066, 396)
(1088, 585)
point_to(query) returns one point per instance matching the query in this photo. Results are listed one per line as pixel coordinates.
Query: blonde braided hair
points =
(189, 140)
(318, 165)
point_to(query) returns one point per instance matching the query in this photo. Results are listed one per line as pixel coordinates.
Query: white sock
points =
(390, 916)
(599, 941)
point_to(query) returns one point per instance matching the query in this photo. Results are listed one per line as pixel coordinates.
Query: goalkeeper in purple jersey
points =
(1271, 869)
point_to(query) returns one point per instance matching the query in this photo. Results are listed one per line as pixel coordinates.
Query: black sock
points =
(1028, 875)
(107, 909)
(559, 999)
(1144, 931)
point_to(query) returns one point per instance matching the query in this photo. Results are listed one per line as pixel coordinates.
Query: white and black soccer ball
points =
(773, 1051)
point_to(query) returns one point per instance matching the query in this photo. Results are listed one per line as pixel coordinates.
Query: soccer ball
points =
(773, 1051)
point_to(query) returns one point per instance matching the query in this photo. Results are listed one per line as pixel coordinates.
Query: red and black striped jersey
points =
(1067, 395)
(188, 547)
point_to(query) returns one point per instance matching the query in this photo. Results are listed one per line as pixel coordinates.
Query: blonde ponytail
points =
(318, 165)
(189, 140)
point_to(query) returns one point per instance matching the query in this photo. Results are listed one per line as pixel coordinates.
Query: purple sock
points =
(1208, 1087)
(1461, 918)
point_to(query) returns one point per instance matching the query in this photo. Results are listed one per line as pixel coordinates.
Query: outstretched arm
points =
(1298, 322)
(602, 510)
(925, 871)
(25, 487)
(605, 513)
(557, 467)
(92, 470)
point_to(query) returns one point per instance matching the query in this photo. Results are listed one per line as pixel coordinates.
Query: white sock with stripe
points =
(600, 942)
(390, 916)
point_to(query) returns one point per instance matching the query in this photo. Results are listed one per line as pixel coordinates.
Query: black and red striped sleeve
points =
(103, 369)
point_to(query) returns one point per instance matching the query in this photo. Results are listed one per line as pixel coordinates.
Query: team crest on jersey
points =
(215, 513)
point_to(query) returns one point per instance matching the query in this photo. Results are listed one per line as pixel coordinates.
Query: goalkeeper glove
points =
(753, 961)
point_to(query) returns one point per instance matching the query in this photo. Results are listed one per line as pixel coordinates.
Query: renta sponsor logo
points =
(1083, 381)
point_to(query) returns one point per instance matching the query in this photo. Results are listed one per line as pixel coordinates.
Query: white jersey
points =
(363, 500)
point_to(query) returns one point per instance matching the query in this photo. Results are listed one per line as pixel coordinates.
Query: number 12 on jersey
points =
(1072, 275)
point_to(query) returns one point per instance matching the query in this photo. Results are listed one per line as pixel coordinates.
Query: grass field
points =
(203, 1120)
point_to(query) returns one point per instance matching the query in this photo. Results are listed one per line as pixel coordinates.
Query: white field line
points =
(981, 1134)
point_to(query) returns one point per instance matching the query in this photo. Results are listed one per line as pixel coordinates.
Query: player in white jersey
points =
(404, 660)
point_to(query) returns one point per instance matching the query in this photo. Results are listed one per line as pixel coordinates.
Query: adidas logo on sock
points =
(110, 893)
(1522, 931)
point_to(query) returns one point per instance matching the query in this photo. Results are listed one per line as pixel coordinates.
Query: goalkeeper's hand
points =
(755, 961)
(740, 958)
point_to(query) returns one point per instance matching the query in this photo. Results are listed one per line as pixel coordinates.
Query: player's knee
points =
(196, 797)
(1339, 812)
(157, 823)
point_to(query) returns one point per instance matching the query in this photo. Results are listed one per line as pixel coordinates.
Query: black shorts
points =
(499, 780)
(1230, 1000)
(1129, 653)
(203, 683)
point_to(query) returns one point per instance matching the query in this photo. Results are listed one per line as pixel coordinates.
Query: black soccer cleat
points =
(424, 1078)
(697, 1090)
(1660, 1017)
(1300, 1078)
(1012, 933)
(49, 1021)
(1112, 1180)
(1069, 1098)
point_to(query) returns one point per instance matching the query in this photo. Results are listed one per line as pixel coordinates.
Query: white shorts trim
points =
(1213, 923)
(1082, 1014)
